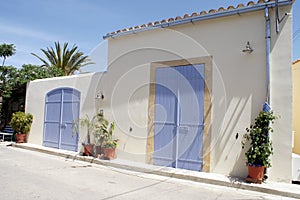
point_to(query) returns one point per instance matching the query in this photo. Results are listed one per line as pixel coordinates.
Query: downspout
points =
(268, 51)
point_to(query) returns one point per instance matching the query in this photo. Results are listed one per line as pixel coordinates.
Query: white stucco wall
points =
(238, 86)
(238, 78)
(281, 96)
(36, 95)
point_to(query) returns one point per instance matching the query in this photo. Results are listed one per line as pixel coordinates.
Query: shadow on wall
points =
(230, 136)
(88, 108)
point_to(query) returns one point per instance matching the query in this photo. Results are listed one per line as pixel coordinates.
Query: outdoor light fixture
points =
(248, 48)
(100, 95)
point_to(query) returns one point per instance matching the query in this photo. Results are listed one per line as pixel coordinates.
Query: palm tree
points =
(7, 50)
(65, 59)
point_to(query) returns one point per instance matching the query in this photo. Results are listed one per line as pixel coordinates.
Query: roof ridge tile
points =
(250, 3)
(194, 14)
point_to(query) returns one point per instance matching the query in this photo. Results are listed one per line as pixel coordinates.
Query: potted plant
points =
(21, 124)
(110, 149)
(100, 135)
(258, 155)
(109, 144)
(90, 125)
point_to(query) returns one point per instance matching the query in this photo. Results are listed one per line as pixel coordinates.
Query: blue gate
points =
(61, 109)
(178, 120)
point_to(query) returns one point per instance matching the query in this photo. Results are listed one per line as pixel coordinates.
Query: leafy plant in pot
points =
(109, 144)
(21, 124)
(258, 155)
(100, 135)
(90, 125)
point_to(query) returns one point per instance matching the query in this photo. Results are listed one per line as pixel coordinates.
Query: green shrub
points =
(21, 122)
(261, 147)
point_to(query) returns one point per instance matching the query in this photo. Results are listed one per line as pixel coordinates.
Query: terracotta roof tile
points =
(194, 14)
(178, 18)
(230, 7)
(296, 61)
(221, 9)
(250, 3)
(186, 16)
(240, 5)
(261, 1)
(171, 20)
(203, 12)
(212, 11)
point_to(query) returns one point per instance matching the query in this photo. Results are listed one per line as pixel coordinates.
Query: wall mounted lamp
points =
(100, 95)
(248, 48)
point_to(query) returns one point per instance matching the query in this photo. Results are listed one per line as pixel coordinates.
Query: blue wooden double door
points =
(179, 117)
(61, 110)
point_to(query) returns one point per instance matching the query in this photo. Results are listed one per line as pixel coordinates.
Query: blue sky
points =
(35, 24)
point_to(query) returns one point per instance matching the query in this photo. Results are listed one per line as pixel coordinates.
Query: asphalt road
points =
(28, 175)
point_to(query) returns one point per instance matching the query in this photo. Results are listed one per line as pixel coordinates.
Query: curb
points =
(279, 189)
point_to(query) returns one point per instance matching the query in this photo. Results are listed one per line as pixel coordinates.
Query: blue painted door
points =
(61, 109)
(178, 120)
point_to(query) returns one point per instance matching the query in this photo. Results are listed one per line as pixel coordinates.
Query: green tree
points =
(33, 72)
(13, 78)
(69, 60)
(8, 76)
(7, 50)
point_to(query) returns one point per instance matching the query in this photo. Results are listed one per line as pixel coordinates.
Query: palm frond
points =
(69, 60)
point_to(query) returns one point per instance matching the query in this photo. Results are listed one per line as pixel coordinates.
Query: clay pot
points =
(88, 149)
(21, 138)
(109, 153)
(256, 172)
(99, 150)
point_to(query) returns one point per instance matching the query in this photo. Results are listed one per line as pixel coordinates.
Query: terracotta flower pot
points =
(99, 151)
(88, 149)
(256, 172)
(109, 153)
(21, 138)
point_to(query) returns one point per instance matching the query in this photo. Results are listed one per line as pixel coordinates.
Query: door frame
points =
(207, 61)
(45, 113)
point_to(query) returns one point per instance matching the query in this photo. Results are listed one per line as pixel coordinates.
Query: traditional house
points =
(182, 90)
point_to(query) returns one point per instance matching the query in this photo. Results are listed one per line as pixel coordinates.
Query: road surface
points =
(28, 175)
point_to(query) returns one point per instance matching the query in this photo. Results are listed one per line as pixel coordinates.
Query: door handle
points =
(64, 126)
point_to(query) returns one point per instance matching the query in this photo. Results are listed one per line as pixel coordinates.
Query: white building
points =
(182, 90)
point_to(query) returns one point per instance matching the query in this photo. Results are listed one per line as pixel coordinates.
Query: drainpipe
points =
(268, 50)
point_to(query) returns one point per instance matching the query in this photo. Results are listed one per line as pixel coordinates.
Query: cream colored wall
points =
(36, 94)
(296, 106)
(238, 88)
(281, 97)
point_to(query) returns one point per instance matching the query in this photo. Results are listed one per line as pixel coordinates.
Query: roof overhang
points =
(211, 15)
